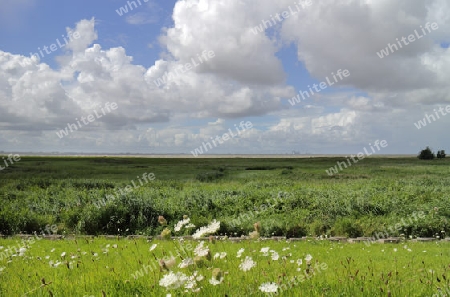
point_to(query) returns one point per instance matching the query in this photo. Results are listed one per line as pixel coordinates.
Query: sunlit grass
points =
(123, 267)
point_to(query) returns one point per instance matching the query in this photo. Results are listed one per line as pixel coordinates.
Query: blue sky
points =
(48, 20)
(251, 77)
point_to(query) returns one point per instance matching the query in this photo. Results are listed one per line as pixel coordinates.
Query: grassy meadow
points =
(122, 267)
(292, 198)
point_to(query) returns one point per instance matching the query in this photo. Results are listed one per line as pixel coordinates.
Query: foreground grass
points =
(124, 267)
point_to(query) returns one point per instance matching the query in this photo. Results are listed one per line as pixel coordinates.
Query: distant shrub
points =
(440, 154)
(319, 227)
(220, 169)
(260, 168)
(426, 154)
(209, 176)
(347, 227)
(296, 231)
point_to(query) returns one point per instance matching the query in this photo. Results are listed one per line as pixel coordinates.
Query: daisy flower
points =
(239, 253)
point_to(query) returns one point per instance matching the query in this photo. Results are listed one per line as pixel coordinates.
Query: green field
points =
(128, 268)
(378, 197)
(291, 197)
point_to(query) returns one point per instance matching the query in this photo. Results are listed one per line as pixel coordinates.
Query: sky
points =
(224, 76)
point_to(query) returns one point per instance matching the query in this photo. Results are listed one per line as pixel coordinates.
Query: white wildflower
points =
(275, 256)
(173, 281)
(265, 251)
(200, 278)
(247, 264)
(22, 251)
(215, 282)
(200, 250)
(220, 255)
(210, 229)
(180, 224)
(56, 264)
(186, 262)
(239, 253)
(269, 288)
(190, 284)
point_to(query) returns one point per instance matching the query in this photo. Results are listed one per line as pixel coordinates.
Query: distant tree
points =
(426, 154)
(441, 154)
